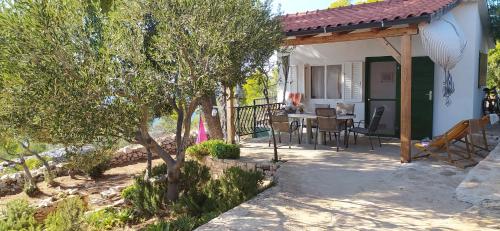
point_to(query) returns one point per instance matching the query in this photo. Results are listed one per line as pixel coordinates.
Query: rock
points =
(110, 193)
(73, 191)
(118, 203)
(45, 202)
(97, 201)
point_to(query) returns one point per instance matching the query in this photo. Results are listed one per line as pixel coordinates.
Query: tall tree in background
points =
(339, 3)
(494, 54)
(152, 58)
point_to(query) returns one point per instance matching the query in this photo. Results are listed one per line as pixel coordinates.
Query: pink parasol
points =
(202, 135)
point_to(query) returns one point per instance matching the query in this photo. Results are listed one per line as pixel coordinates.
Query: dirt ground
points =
(115, 177)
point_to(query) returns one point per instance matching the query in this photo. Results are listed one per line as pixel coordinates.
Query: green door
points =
(383, 88)
(422, 97)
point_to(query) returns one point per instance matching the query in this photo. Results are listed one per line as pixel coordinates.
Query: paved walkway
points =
(355, 190)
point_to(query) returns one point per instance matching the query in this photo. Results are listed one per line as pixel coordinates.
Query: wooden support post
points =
(406, 59)
(231, 132)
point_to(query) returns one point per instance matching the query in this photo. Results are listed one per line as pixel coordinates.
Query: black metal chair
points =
(327, 122)
(280, 124)
(371, 130)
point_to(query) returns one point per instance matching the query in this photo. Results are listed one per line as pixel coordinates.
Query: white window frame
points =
(342, 82)
(325, 83)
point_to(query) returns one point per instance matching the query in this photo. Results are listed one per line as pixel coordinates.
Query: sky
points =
(294, 6)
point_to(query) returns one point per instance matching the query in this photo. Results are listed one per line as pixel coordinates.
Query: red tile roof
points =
(388, 12)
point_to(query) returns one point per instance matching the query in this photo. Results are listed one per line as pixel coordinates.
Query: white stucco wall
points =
(466, 101)
(467, 97)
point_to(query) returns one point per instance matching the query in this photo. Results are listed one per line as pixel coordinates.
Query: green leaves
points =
(80, 72)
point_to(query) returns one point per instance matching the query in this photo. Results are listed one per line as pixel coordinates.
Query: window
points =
(326, 82)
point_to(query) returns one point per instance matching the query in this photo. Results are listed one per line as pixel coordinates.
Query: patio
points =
(355, 189)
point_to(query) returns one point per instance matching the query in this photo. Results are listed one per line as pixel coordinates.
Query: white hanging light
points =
(445, 43)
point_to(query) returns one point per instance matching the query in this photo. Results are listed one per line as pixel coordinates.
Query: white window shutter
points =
(347, 80)
(292, 79)
(357, 81)
(307, 81)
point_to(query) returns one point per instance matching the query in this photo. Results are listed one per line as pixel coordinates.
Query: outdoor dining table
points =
(308, 117)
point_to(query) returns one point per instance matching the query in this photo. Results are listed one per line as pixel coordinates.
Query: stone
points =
(73, 191)
(45, 202)
(111, 192)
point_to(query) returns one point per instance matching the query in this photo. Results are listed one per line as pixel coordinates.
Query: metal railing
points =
(251, 120)
(260, 101)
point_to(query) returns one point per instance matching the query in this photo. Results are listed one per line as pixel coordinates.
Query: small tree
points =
(12, 153)
(144, 60)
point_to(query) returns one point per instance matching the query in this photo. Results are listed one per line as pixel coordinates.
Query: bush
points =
(18, 215)
(93, 163)
(67, 216)
(182, 223)
(193, 200)
(159, 170)
(215, 148)
(237, 186)
(147, 198)
(207, 199)
(107, 219)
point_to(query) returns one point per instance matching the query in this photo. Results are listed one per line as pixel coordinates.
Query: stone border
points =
(218, 166)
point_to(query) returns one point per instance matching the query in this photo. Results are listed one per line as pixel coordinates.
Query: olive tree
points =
(146, 59)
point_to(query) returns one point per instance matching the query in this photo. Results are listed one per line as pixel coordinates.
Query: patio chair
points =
(346, 109)
(313, 122)
(327, 122)
(442, 144)
(371, 130)
(477, 130)
(281, 124)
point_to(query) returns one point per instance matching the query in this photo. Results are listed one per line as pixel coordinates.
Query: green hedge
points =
(215, 148)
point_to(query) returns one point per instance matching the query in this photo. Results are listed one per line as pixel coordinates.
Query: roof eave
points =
(382, 24)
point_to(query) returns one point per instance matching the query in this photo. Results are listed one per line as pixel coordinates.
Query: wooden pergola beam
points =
(372, 34)
(391, 49)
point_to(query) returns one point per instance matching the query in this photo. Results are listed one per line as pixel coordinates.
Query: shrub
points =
(215, 148)
(147, 198)
(35, 163)
(67, 216)
(193, 200)
(107, 219)
(182, 223)
(159, 170)
(93, 163)
(160, 226)
(207, 199)
(197, 151)
(237, 186)
(193, 176)
(18, 215)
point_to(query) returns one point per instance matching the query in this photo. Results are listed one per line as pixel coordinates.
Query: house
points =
(372, 55)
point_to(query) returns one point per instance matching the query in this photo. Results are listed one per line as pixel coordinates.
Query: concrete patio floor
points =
(355, 189)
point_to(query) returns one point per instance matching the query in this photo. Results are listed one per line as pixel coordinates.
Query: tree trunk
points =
(213, 122)
(173, 178)
(149, 168)
(174, 173)
(48, 175)
(29, 183)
